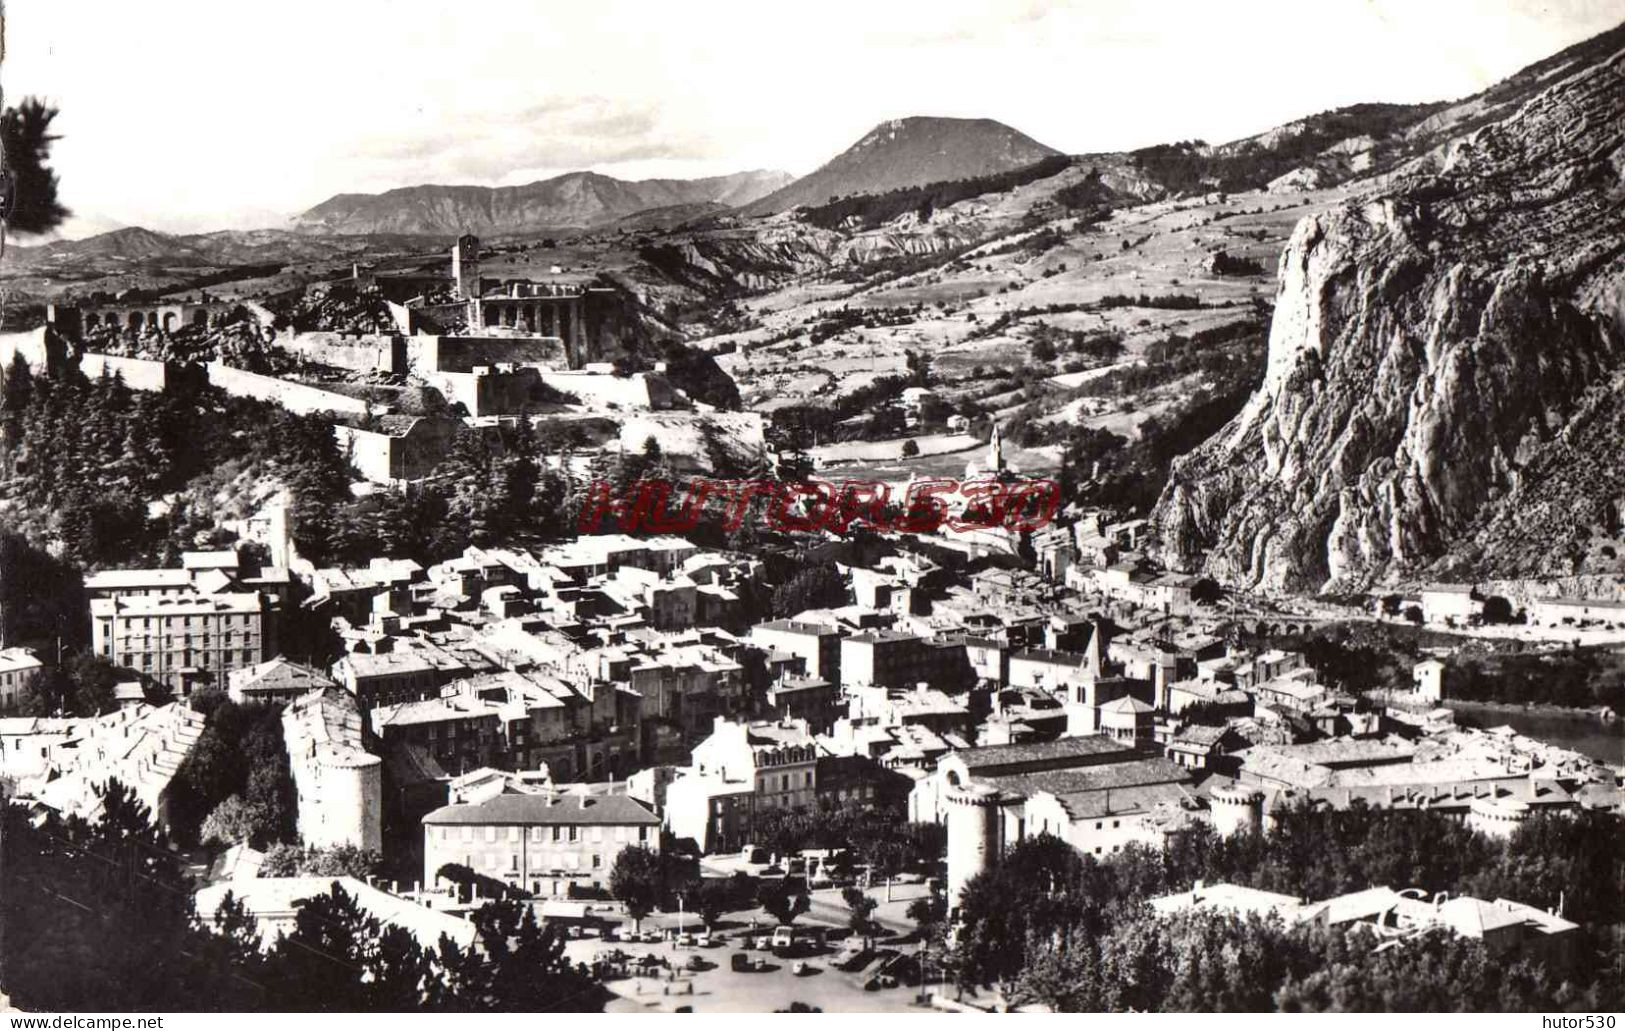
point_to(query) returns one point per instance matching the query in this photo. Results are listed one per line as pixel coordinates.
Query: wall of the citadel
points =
(382, 458)
(359, 352)
(295, 397)
(430, 354)
(640, 390)
(137, 373)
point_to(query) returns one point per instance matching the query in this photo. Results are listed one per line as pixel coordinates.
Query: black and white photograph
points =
(910, 507)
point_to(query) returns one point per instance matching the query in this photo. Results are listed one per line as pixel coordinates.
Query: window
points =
(490, 834)
(536, 834)
(597, 835)
(468, 834)
(643, 834)
(1117, 823)
(597, 860)
(513, 833)
(558, 833)
(513, 863)
(574, 831)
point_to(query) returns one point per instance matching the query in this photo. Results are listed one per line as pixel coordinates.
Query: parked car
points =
(653, 937)
(704, 940)
(762, 941)
(612, 934)
(685, 938)
(739, 963)
(800, 968)
(697, 963)
(784, 936)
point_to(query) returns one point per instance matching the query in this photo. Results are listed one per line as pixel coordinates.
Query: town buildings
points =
(16, 666)
(551, 843)
(741, 769)
(338, 784)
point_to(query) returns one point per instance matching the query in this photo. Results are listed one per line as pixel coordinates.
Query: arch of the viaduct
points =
(150, 317)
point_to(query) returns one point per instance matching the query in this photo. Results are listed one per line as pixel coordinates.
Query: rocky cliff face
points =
(1430, 342)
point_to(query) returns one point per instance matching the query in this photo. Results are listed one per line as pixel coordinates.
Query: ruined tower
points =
(465, 267)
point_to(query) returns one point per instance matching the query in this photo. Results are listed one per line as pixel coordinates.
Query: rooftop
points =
(546, 809)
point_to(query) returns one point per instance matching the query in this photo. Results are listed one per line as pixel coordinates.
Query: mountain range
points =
(577, 200)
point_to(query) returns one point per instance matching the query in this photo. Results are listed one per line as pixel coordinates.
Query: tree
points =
(710, 898)
(337, 861)
(520, 967)
(910, 448)
(26, 138)
(1497, 609)
(861, 919)
(814, 587)
(1043, 349)
(341, 958)
(638, 880)
(1414, 614)
(784, 898)
(106, 911)
(928, 912)
(232, 822)
(1206, 591)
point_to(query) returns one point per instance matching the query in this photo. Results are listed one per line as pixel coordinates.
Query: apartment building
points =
(547, 843)
(16, 665)
(185, 641)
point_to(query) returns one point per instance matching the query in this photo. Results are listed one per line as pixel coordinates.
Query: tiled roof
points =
(565, 808)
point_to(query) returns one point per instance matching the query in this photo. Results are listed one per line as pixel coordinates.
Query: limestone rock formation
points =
(1430, 342)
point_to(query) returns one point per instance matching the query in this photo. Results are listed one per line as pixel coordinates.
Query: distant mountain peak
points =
(912, 151)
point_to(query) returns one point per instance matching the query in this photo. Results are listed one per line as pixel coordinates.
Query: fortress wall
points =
(368, 352)
(137, 373)
(295, 397)
(636, 391)
(427, 354)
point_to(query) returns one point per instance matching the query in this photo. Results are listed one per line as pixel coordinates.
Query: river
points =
(1582, 733)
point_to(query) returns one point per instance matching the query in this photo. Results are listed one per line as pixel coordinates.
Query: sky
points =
(184, 116)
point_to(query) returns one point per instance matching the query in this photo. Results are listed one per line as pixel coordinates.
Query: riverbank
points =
(1601, 714)
(1578, 730)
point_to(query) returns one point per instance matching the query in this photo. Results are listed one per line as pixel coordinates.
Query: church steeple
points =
(995, 450)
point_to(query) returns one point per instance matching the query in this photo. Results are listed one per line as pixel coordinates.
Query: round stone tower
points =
(973, 835)
(1236, 809)
(1498, 817)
